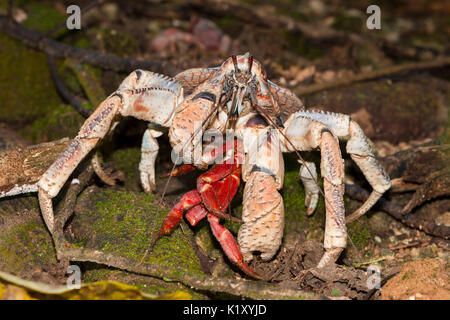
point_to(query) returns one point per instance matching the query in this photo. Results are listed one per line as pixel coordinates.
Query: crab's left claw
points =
(173, 219)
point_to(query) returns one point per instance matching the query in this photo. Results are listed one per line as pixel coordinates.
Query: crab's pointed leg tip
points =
(249, 271)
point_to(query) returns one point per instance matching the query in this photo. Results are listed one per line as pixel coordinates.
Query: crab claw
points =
(173, 219)
(230, 246)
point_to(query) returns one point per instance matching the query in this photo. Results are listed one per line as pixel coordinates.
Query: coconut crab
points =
(267, 120)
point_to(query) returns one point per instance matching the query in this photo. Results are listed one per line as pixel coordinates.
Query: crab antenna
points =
(250, 64)
(236, 69)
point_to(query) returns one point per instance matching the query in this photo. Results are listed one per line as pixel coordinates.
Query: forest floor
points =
(304, 46)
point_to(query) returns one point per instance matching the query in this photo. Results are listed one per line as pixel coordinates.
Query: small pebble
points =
(377, 239)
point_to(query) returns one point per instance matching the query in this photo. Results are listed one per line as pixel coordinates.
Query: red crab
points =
(215, 190)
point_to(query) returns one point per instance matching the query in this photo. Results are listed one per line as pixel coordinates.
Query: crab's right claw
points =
(230, 246)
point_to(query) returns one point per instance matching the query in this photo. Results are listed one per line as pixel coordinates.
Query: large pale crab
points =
(266, 120)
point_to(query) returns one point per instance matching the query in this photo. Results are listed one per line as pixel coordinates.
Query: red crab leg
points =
(179, 171)
(195, 214)
(229, 245)
(173, 219)
(209, 157)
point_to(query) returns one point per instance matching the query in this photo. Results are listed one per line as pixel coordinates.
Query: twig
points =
(60, 25)
(243, 288)
(435, 63)
(65, 93)
(69, 201)
(356, 192)
(92, 57)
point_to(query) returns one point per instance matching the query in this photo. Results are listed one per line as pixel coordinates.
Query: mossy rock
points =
(25, 244)
(27, 91)
(127, 161)
(62, 121)
(123, 223)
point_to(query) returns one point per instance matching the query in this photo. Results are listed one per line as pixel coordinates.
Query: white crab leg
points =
(360, 151)
(149, 151)
(196, 112)
(144, 95)
(311, 187)
(306, 134)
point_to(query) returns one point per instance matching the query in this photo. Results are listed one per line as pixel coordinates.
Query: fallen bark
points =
(21, 168)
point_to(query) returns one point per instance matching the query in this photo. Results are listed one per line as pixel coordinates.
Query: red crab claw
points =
(173, 219)
(218, 186)
(229, 245)
(215, 189)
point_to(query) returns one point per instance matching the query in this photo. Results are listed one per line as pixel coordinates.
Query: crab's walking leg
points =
(149, 151)
(360, 151)
(95, 127)
(310, 183)
(144, 95)
(307, 134)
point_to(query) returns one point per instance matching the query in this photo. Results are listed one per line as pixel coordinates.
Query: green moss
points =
(123, 223)
(293, 194)
(27, 91)
(127, 161)
(114, 41)
(360, 232)
(43, 17)
(26, 247)
(89, 79)
(61, 121)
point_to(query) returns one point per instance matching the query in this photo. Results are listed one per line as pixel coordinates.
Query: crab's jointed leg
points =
(144, 95)
(311, 187)
(149, 151)
(360, 151)
(306, 134)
